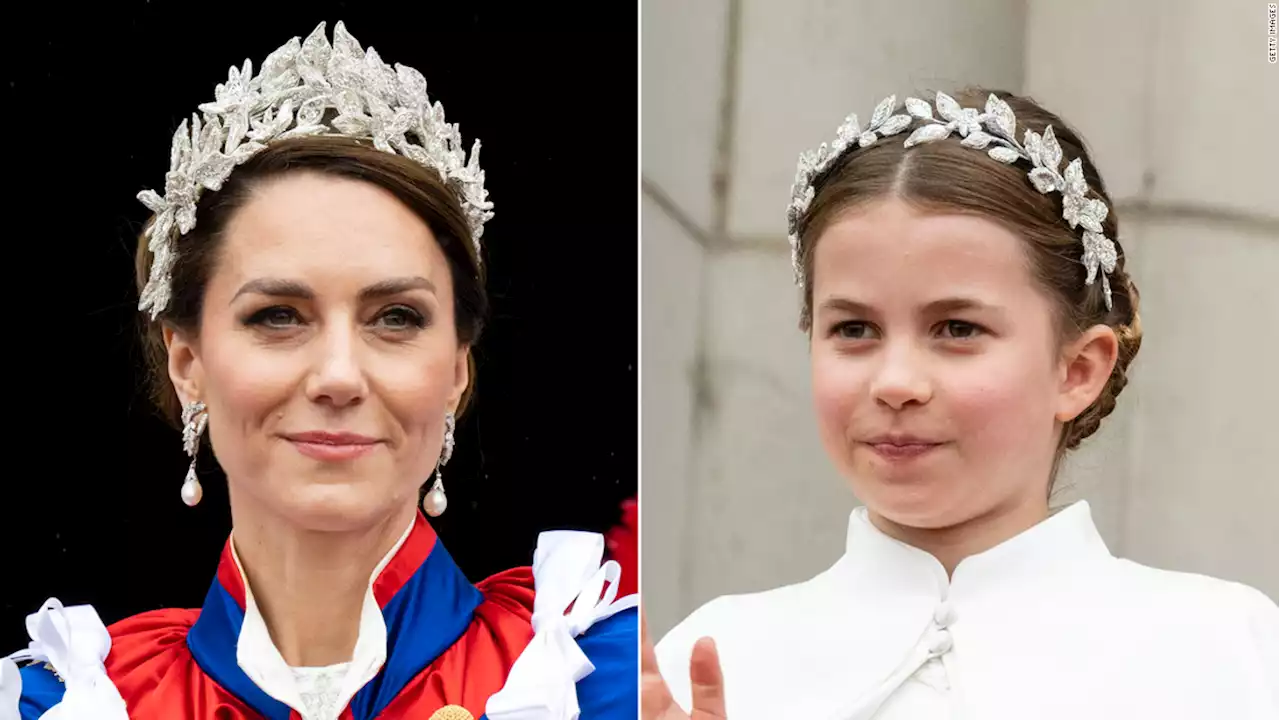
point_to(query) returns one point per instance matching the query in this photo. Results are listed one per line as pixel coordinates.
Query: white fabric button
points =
(944, 614)
(940, 643)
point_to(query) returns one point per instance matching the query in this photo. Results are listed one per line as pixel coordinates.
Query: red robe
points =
(448, 643)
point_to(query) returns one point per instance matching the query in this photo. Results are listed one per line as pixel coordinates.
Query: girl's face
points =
(327, 353)
(938, 376)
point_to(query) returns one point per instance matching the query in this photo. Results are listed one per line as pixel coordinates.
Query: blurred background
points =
(1178, 101)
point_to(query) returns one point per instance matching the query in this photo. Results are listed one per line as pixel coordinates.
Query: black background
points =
(90, 495)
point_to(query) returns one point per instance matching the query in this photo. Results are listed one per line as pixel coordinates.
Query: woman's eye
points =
(401, 318)
(274, 317)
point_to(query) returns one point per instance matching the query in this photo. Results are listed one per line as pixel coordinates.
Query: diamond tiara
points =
(992, 130)
(291, 96)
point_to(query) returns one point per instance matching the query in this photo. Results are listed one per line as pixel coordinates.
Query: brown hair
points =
(196, 253)
(943, 176)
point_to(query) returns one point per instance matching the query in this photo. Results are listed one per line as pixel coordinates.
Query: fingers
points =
(655, 696)
(706, 681)
(648, 658)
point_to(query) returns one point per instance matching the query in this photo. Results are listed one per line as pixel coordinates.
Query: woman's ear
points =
(461, 377)
(185, 370)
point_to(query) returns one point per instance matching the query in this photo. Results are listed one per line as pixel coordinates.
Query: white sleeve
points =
(675, 649)
(542, 684)
(10, 690)
(1264, 626)
(75, 643)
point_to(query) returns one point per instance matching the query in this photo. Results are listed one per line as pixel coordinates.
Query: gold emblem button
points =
(452, 712)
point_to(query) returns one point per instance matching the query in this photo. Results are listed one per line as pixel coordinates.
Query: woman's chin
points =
(336, 507)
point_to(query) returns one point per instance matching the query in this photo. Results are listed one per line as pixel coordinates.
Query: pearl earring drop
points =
(435, 502)
(194, 420)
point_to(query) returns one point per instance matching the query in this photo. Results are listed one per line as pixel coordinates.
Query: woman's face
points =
(327, 353)
(937, 376)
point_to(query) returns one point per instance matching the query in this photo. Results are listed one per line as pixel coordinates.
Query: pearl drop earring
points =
(434, 502)
(194, 420)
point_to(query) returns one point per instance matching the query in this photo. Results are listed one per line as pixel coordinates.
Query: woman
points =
(313, 286)
(970, 320)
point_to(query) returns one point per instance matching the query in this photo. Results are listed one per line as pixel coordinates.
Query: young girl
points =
(970, 320)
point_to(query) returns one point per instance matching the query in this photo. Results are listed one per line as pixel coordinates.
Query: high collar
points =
(400, 633)
(1040, 553)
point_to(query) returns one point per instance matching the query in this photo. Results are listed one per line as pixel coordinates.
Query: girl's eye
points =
(960, 330)
(853, 330)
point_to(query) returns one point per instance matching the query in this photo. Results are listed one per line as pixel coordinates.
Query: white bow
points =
(75, 643)
(566, 570)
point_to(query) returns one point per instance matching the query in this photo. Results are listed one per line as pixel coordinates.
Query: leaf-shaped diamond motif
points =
(153, 201)
(821, 156)
(246, 151)
(1000, 115)
(807, 199)
(344, 43)
(1100, 247)
(180, 148)
(1072, 204)
(1074, 176)
(977, 140)
(312, 110)
(315, 49)
(883, 111)
(281, 59)
(1003, 154)
(302, 131)
(1044, 179)
(349, 102)
(213, 171)
(381, 79)
(927, 133)
(1050, 152)
(1092, 215)
(1099, 253)
(210, 137)
(867, 139)
(948, 108)
(848, 132)
(968, 122)
(185, 217)
(1031, 143)
(237, 126)
(160, 231)
(413, 86)
(894, 125)
(919, 108)
(353, 124)
(313, 76)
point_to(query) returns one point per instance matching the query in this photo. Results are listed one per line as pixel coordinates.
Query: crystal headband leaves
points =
(305, 88)
(994, 130)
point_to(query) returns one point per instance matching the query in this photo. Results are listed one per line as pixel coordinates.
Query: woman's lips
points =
(332, 446)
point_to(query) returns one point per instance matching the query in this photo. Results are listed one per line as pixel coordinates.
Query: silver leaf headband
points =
(289, 98)
(992, 130)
